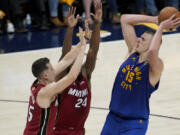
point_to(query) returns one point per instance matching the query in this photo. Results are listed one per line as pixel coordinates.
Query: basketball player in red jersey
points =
(75, 100)
(43, 101)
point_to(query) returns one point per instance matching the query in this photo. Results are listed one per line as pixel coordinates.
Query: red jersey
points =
(40, 121)
(73, 108)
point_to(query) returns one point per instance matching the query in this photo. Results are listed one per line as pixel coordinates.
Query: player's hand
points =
(72, 21)
(98, 12)
(170, 23)
(81, 37)
(87, 30)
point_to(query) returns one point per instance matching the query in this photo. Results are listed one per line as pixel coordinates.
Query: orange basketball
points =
(177, 14)
(166, 13)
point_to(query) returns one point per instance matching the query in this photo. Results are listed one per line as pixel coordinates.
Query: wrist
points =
(97, 21)
(70, 27)
(156, 20)
(161, 26)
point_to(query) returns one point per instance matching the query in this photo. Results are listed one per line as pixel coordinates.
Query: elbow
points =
(123, 18)
(152, 53)
(42, 101)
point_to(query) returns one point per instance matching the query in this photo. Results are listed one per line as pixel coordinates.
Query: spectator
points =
(114, 10)
(53, 8)
(40, 14)
(17, 18)
(87, 6)
(173, 3)
(146, 7)
(151, 7)
(10, 7)
(2, 14)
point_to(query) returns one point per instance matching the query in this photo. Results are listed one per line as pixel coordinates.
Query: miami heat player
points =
(43, 101)
(75, 100)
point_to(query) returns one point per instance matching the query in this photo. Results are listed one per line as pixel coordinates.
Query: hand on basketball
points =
(72, 21)
(87, 30)
(98, 12)
(171, 23)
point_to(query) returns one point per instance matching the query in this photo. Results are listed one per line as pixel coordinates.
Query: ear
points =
(45, 75)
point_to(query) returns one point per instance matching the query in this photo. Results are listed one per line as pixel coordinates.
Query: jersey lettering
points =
(81, 102)
(30, 115)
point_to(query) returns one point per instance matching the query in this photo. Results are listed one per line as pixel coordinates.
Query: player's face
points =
(144, 43)
(50, 73)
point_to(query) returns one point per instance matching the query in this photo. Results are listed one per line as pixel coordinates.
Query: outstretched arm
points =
(67, 44)
(94, 42)
(46, 94)
(68, 59)
(127, 24)
(156, 64)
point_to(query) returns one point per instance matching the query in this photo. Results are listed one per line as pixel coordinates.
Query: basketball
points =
(167, 12)
(177, 14)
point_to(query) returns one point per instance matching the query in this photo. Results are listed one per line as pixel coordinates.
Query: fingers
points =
(81, 33)
(69, 12)
(74, 10)
(95, 5)
(176, 22)
(93, 15)
(77, 17)
(172, 17)
(86, 24)
(81, 37)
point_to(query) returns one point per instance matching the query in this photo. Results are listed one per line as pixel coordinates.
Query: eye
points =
(143, 39)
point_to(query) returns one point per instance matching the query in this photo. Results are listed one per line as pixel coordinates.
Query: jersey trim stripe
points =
(59, 102)
(44, 121)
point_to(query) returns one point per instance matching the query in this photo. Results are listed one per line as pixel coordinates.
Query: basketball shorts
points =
(116, 125)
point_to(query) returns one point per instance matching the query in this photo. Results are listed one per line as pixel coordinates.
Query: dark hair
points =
(152, 32)
(39, 66)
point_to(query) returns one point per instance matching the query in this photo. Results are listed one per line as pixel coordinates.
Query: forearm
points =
(76, 67)
(68, 59)
(156, 42)
(95, 37)
(134, 19)
(67, 44)
(156, 65)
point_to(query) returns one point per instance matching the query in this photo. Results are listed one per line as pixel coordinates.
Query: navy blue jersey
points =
(132, 89)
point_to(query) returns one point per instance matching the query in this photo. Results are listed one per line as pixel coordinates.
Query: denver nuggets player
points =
(138, 77)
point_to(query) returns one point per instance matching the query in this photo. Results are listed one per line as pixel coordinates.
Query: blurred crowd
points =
(18, 15)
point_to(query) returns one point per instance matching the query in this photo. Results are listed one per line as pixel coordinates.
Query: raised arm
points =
(46, 94)
(127, 24)
(72, 21)
(94, 42)
(68, 59)
(67, 44)
(156, 64)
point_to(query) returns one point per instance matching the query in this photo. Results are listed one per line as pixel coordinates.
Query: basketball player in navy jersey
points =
(75, 100)
(138, 77)
(43, 100)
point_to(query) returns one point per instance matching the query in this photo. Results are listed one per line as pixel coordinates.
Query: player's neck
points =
(142, 57)
(44, 82)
